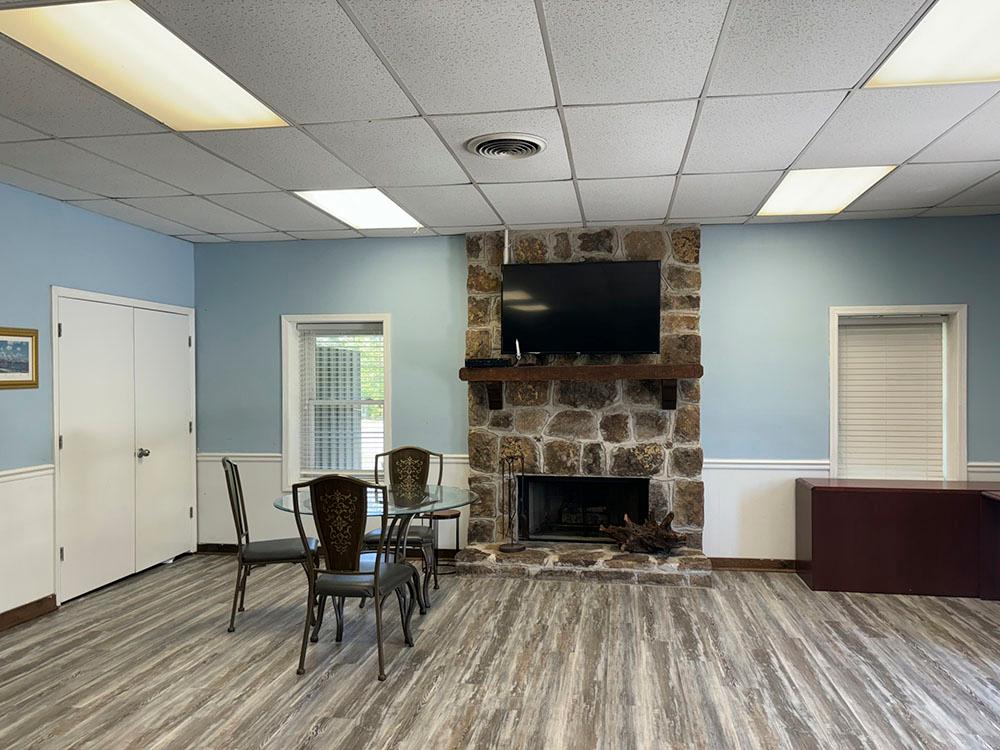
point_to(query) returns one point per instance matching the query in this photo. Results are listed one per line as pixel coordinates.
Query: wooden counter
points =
(895, 537)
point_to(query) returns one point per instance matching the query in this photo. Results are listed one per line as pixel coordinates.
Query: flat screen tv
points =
(591, 308)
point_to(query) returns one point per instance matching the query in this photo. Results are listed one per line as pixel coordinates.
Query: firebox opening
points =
(573, 509)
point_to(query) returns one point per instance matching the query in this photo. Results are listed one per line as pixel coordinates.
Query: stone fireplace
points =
(590, 429)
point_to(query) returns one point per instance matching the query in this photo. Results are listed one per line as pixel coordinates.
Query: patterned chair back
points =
(340, 512)
(409, 468)
(236, 502)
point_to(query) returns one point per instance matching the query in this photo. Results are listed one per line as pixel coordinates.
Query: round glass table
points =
(427, 499)
(403, 507)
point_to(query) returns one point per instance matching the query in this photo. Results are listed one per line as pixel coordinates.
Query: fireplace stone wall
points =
(613, 428)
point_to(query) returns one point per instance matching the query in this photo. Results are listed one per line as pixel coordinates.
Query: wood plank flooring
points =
(757, 662)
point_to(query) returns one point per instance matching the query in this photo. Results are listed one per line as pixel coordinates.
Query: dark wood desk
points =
(893, 537)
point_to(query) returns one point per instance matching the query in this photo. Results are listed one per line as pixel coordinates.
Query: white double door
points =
(126, 491)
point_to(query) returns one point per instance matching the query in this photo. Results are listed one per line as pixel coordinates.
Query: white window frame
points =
(290, 424)
(956, 385)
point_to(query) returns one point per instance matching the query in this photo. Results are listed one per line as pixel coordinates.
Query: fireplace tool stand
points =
(511, 469)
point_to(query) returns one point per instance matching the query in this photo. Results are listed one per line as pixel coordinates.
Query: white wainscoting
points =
(262, 483)
(750, 504)
(27, 546)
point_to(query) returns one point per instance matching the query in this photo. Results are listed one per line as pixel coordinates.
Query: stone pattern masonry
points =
(613, 428)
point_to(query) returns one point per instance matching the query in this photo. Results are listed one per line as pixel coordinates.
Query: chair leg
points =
(420, 597)
(305, 632)
(378, 636)
(362, 604)
(236, 596)
(338, 607)
(435, 547)
(243, 588)
(411, 601)
(427, 552)
(319, 620)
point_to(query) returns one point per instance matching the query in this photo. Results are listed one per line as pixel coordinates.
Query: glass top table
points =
(429, 499)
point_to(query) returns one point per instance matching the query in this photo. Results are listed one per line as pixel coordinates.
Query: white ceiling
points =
(652, 110)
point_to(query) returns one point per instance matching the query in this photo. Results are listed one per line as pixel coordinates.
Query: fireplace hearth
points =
(573, 509)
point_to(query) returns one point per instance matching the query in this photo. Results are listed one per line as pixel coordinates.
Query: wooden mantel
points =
(495, 377)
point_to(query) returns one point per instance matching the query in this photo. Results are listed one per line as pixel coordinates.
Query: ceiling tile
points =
(706, 195)
(392, 152)
(550, 164)
(599, 47)
(285, 157)
(986, 193)
(172, 159)
(791, 45)
(626, 222)
(963, 210)
(42, 186)
(64, 163)
(258, 237)
(467, 230)
(722, 220)
(202, 238)
(891, 213)
(973, 139)
(198, 213)
(637, 198)
(447, 205)
(421, 232)
(131, 215)
(326, 234)
(629, 139)
(278, 210)
(304, 58)
(51, 100)
(462, 55)
(917, 185)
(13, 131)
(535, 202)
(757, 132)
(889, 125)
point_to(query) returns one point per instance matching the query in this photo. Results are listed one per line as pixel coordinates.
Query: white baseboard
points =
(27, 535)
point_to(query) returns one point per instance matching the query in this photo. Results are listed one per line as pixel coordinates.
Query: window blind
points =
(342, 396)
(891, 399)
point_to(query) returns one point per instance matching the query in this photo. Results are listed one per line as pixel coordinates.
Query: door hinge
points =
(62, 554)
(189, 342)
(59, 331)
(190, 427)
(191, 512)
(60, 442)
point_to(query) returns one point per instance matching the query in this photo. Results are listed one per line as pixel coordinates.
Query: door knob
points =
(142, 453)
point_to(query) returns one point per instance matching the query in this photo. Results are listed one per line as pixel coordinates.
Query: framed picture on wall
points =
(18, 358)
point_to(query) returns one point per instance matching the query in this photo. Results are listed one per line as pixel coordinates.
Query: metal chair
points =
(408, 469)
(250, 554)
(340, 512)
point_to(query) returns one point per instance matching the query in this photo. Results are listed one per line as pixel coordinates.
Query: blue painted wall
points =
(767, 290)
(46, 243)
(244, 288)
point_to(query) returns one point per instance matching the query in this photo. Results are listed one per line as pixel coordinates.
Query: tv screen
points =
(593, 308)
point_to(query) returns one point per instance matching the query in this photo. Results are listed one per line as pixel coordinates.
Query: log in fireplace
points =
(573, 509)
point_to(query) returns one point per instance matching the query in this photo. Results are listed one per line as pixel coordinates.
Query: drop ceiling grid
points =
(546, 40)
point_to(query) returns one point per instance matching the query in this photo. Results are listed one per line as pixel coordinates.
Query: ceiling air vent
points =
(506, 145)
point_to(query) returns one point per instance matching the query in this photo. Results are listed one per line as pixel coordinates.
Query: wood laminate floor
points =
(757, 662)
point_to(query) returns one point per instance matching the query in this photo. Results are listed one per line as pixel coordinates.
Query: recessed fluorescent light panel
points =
(821, 191)
(122, 49)
(367, 208)
(955, 42)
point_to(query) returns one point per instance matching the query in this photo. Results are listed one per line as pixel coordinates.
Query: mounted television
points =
(591, 308)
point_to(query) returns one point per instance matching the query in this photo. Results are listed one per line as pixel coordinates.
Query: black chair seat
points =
(417, 535)
(391, 575)
(277, 550)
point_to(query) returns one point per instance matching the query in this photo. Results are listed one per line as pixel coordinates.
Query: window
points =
(335, 394)
(897, 394)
